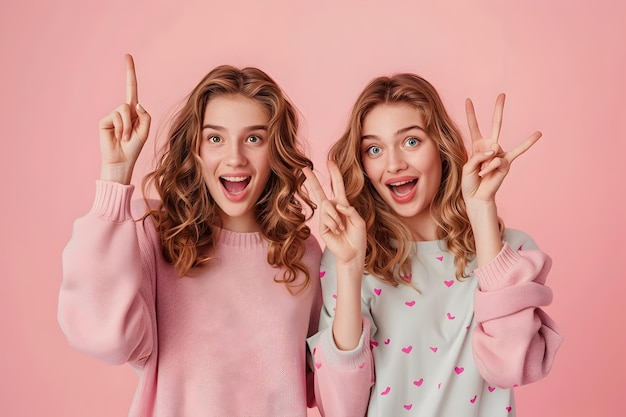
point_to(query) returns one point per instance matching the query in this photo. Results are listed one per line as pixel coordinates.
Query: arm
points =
(343, 378)
(106, 306)
(342, 356)
(514, 341)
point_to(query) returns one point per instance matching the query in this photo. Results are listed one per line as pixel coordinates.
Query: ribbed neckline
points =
(427, 246)
(430, 246)
(239, 239)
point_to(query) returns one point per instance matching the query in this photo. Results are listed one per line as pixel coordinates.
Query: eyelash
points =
(369, 150)
(257, 139)
(417, 140)
(210, 139)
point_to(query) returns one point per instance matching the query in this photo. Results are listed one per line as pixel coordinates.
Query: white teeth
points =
(397, 184)
(235, 179)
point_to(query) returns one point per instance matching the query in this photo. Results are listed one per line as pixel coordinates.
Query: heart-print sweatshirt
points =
(228, 341)
(445, 348)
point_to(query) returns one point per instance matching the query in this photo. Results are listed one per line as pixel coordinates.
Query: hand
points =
(489, 164)
(341, 226)
(123, 133)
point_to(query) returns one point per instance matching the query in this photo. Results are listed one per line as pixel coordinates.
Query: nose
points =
(395, 160)
(235, 154)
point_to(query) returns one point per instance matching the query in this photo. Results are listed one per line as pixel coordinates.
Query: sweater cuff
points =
(351, 359)
(496, 273)
(112, 201)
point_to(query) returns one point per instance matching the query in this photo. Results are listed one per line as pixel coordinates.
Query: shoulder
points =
(312, 249)
(519, 240)
(139, 208)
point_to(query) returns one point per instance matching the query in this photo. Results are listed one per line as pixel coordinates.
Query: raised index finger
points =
(472, 123)
(131, 82)
(314, 185)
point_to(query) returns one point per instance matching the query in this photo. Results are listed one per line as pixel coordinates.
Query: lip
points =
(238, 178)
(401, 181)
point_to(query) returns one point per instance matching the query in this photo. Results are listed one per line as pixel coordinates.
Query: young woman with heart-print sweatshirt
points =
(211, 291)
(431, 307)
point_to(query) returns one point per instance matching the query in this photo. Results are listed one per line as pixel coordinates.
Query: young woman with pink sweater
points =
(210, 291)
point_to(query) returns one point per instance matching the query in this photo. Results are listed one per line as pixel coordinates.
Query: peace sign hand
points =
(341, 226)
(123, 133)
(484, 172)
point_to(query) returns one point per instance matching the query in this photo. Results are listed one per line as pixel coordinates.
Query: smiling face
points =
(403, 164)
(235, 153)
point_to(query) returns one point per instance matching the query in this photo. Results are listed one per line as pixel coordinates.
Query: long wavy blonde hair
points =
(389, 262)
(187, 214)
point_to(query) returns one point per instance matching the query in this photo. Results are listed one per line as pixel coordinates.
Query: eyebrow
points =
(398, 132)
(247, 129)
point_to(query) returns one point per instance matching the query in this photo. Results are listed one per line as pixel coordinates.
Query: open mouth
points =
(235, 185)
(402, 188)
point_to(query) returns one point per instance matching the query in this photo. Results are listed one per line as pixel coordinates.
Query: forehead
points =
(391, 117)
(235, 110)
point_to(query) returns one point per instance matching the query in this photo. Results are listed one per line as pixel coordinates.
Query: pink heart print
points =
(377, 291)
(410, 303)
(386, 391)
(419, 382)
(408, 406)
(449, 283)
(473, 400)
(458, 370)
(407, 349)
(322, 273)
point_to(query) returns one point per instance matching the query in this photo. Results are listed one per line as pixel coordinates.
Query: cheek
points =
(370, 166)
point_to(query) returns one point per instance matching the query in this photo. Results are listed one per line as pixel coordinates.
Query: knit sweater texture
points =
(226, 341)
(447, 347)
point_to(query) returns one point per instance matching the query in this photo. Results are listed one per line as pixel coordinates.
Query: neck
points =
(242, 224)
(423, 227)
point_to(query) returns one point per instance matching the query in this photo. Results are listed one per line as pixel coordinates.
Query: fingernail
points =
(491, 152)
(140, 108)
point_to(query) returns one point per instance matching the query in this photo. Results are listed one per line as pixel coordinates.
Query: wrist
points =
(116, 173)
(479, 209)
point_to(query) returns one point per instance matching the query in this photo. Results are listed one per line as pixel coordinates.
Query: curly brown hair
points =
(187, 215)
(390, 261)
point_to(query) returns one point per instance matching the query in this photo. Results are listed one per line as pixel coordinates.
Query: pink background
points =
(562, 66)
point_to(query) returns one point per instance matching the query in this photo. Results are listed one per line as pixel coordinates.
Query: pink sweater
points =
(455, 348)
(227, 342)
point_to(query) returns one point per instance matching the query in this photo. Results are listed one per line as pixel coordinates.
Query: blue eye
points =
(374, 150)
(253, 139)
(412, 142)
(214, 139)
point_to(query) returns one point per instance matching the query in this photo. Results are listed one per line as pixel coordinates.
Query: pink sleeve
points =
(313, 254)
(343, 379)
(514, 341)
(106, 303)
